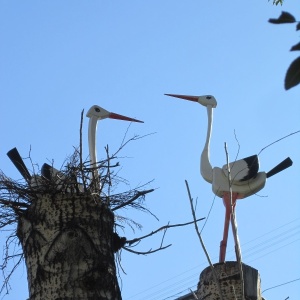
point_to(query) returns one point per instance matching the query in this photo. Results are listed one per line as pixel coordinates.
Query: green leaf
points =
(285, 17)
(276, 2)
(292, 77)
(295, 47)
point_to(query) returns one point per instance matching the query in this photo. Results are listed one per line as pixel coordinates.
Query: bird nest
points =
(73, 180)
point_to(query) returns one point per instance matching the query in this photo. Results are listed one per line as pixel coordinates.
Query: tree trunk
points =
(67, 242)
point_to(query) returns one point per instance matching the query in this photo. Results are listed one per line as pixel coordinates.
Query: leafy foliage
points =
(285, 17)
(276, 2)
(292, 77)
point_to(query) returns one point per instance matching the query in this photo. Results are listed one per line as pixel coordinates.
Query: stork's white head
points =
(100, 113)
(206, 100)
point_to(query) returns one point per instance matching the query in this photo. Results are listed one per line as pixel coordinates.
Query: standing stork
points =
(245, 180)
(96, 113)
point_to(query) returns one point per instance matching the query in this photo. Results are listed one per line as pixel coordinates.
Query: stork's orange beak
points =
(185, 97)
(124, 118)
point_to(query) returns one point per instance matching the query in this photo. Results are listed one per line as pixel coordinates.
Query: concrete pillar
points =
(228, 274)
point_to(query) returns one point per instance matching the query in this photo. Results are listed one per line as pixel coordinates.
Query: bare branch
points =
(136, 196)
(80, 150)
(125, 142)
(202, 243)
(234, 226)
(13, 204)
(239, 146)
(277, 141)
(8, 257)
(130, 242)
(147, 252)
(210, 209)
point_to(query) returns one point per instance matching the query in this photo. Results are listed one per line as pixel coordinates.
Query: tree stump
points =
(228, 274)
(68, 248)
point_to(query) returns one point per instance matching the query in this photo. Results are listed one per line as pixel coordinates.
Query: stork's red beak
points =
(185, 97)
(120, 117)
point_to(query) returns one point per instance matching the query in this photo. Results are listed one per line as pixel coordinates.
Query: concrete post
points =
(229, 277)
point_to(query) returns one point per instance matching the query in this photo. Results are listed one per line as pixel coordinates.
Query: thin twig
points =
(202, 243)
(163, 237)
(125, 142)
(286, 136)
(13, 204)
(107, 177)
(147, 252)
(273, 287)
(207, 217)
(80, 151)
(130, 242)
(136, 196)
(239, 146)
(234, 227)
(194, 295)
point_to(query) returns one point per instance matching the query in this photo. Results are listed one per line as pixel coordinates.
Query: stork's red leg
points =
(223, 243)
(227, 204)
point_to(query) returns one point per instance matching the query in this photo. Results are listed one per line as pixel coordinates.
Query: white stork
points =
(245, 178)
(96, 113)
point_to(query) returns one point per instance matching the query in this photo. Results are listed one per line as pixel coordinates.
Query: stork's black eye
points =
(208, 97)
(97, 109)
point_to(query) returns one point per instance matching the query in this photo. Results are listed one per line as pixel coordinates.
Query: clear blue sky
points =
(59, 57)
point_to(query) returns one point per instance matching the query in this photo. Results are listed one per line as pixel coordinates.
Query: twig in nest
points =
(80, 151)
(136, 196)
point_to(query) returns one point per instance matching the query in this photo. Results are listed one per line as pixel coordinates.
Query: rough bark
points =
(68, 247)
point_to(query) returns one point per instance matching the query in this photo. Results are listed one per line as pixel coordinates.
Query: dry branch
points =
(234, 226)
(137, 195)
(161, 247)
(201, 241)
(130, 242)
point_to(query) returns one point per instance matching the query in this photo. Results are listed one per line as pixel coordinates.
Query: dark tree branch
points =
(130, 242)
(147, 252)
(135, 197)
(80, 150)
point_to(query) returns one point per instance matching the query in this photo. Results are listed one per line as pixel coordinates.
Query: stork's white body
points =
(221, 184)
(245, 179)
(238, 180)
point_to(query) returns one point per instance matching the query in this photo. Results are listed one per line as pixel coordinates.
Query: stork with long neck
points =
(96, 113)
(240, 180)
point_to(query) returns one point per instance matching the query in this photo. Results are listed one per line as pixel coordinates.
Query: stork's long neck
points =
(92, 143)
(205, 166)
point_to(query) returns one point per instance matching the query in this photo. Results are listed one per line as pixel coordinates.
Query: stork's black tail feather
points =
(17, 160)
(280, 167)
